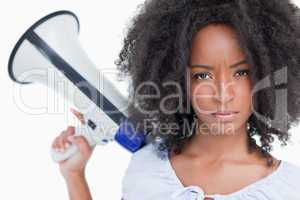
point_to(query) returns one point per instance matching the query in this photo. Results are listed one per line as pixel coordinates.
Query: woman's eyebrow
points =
(210, 67)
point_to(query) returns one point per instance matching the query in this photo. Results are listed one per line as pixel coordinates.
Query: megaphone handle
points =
(73, 148)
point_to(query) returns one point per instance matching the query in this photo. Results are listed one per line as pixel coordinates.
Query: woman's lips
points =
(225, 116)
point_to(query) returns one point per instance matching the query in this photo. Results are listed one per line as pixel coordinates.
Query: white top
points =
(150, 178)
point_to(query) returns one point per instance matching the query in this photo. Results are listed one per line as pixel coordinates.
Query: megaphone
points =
(51, 44)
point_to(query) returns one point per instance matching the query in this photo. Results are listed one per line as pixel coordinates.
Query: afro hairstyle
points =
(157, 46)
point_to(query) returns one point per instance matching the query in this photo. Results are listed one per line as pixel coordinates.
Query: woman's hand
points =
(74, 165)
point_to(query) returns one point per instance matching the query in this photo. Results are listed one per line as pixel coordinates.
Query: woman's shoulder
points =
(282, 184)
(146, 170)
(145, 158)
(291, 170)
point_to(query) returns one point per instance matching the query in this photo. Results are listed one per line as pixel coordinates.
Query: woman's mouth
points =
(225, 115)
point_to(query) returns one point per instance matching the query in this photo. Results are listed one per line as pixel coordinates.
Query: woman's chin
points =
(217, 128)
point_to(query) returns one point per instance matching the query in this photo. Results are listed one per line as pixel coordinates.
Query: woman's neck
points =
(214, 146)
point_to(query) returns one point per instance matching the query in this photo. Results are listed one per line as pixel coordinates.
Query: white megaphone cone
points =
(52, 45)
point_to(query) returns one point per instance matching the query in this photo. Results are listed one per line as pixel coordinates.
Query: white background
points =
(26, 168)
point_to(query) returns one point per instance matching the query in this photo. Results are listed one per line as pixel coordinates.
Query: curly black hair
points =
(157, 49)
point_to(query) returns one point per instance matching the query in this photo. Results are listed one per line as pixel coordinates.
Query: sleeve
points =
(134, 172)
(147, 177)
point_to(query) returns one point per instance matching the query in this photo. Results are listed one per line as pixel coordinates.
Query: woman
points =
(216, 74)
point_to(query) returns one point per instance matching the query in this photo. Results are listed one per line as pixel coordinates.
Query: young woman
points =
(213, 81)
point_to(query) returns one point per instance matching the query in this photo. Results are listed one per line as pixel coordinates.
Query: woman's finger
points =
(70, 131)
(82, 143)
(62, 141)
(78, 115)
(55, 143)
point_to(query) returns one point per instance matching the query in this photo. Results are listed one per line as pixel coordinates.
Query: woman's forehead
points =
(216, 42)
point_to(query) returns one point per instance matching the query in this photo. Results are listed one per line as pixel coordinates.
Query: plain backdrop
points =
(26, 168)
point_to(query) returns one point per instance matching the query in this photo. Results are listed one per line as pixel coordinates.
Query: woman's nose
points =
(225, 91)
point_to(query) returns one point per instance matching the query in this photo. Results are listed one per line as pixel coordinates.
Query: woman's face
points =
(219, 80)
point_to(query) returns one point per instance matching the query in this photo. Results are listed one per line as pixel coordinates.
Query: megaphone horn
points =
(52, 43)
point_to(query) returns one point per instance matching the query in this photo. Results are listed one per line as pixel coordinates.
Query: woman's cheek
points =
(201, 97)
(244, 96)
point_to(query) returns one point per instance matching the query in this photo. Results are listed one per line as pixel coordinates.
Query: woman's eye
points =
(201, 76)
(204, 75)
(243, 72)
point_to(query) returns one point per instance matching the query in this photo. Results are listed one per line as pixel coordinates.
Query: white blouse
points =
(150, 178)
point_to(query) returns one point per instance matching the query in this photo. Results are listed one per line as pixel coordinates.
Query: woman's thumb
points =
(82, 144)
